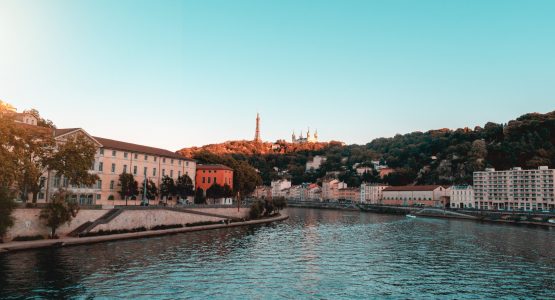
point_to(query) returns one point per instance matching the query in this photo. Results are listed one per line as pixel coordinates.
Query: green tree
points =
(59, 211)
(227, 191)
(73, 160)
(199, 196)
(151, 190)
(128, 186)
(214, 192)
(167, 187)
(7, 205)
(184, 187)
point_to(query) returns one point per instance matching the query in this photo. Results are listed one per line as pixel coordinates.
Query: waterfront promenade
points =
(65, 242)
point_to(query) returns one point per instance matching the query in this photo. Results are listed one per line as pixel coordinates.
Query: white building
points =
(303, 140)
(315, 163)
(314, 193)
(418, 195)
(371, 193)
(462, 196)
(280, 188)
(361, 170)
(515, 189)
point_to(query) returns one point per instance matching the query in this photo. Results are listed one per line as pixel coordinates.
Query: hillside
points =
(441, 156)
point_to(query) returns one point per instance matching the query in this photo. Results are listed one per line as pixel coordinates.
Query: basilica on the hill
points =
(307, 139)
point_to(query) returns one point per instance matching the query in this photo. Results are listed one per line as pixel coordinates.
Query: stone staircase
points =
(88, 226)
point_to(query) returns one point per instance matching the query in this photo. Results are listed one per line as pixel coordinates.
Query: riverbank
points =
(66, 242)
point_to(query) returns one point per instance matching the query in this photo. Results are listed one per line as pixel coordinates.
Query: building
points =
(462, 196)
(297, 192)
(280, 188)
(348, 194)
(208, 175)
(418, 195)
(361, 170)
(113, 158)
(303, 140)
(330, 189)
(372, 193)
(314, 192)
(262, 192)
(515, 189)
(315, 163)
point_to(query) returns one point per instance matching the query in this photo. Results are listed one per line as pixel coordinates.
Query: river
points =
(316, 254)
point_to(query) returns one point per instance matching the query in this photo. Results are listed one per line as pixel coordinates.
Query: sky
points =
(175, 74)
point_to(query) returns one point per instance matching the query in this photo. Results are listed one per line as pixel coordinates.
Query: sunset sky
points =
(172, 74)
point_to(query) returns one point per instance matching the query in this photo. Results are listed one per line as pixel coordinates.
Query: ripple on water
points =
(316, 254)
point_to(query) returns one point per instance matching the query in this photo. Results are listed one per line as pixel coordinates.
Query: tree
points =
(215, 191)
(73, 160)
(184, 187)
(7, 206)
(59, 211)
(199, 196)
(167, 187)
(128, 186)
(227, 191)
(151, 190)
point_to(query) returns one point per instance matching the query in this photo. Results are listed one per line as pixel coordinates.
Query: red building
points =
(207, 175)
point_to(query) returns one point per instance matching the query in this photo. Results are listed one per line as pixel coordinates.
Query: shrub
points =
(28, 238)
(111, 197)
(7, 205)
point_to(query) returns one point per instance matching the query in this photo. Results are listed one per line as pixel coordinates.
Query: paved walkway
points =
(63, 242)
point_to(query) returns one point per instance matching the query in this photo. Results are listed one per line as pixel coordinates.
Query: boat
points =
(410, 216)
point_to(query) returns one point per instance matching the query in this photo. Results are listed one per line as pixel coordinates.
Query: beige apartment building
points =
(112, 159)
(372, 193)
(515, 189)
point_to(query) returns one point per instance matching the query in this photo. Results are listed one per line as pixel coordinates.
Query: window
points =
(179, 162)
(154, 172)
(145, 169)
(164, 160)
(155, 158)
(134, 170)
(203, 180)
(99, 184)
(163, 172)
(41, 195)
(172, 161)
(101, 151)
(171, 173)
(113, 168)
(112, 184)
(114, 153)
(97, 196)
(209, 178)
(214, 179)
(146, 157)
(136, 156)
(57, 181)
(125, 154)
(187, 163)
(100, 166)
(124, 168)
(178, 173)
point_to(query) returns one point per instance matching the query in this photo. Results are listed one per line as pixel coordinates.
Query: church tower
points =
(257, 132)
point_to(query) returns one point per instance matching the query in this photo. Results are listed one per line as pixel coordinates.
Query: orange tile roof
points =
(213, 167)
(408, 188)
(119, 145)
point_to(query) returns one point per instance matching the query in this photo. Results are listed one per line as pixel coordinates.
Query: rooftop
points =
(409, 188)
(213, 167)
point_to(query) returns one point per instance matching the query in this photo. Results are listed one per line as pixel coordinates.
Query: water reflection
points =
(315, 254)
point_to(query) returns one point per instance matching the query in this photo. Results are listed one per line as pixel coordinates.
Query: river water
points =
(316, 254)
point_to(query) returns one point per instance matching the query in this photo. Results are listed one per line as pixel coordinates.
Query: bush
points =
(109, 232)
(111, 197)
(256, 211)
(28, 238)
(162, 227)
(7, 205)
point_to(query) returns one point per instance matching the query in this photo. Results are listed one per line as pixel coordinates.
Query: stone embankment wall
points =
(28, 223)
